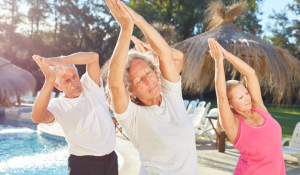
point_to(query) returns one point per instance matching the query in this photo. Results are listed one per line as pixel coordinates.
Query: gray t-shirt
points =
(163, 135)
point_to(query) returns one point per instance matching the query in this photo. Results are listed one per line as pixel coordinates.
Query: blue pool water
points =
(24, 151)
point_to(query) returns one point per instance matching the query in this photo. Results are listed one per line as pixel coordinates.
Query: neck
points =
(245, 114)
(150, 102)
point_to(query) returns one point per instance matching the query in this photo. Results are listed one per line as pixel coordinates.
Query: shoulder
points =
(88, 82)
(168, 87)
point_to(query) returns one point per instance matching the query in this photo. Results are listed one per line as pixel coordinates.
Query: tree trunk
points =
(170, 9)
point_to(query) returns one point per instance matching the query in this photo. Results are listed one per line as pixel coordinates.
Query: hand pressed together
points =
(44, 66)
(118, 11)
(216, 50)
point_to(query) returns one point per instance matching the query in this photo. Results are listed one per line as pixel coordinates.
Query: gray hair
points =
(133, 55)
(63, 67)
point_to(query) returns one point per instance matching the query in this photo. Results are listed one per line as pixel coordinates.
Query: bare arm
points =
(144, 48)
(40, 114)
(167, 64)
(89, 58)
(251, 78)
(118, 92)
(227, 119)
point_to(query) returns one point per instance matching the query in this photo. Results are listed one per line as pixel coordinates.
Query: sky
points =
(278, 5)
(266, 7)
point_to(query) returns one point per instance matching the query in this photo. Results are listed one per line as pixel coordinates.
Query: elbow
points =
(252, 72)
(222, 98)
(165, 51)
(35, 119)
(96, 57)
(112, 84)
(180, 55)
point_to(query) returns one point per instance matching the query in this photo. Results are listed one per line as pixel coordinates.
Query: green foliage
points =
(249, 22)
(184, 14)
(188, 15)
(286, 34)
(56, 27)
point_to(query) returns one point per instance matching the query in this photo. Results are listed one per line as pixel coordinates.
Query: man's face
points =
(69, 82)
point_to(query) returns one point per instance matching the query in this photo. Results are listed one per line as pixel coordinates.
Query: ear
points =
(57, 86)
(230, 105)
(133, 96)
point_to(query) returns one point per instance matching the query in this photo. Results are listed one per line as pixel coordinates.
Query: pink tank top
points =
(260, 147)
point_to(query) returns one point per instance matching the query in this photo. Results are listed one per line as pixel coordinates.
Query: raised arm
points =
(40, 114)
(251, 78)
(90, 59)
(167, 64)
(226, 117)
(118, 92)
(143, 48)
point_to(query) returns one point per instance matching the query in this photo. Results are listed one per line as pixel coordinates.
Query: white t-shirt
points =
(85, 120)
(163, 135)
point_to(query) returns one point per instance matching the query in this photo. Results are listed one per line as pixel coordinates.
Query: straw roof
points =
(278, 71)
(14, 80)
(167, 31)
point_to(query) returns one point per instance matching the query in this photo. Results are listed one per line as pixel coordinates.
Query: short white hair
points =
(63, 67)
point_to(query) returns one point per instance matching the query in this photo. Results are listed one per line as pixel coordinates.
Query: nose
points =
(74, 83)
(248, 97)
(147, 80)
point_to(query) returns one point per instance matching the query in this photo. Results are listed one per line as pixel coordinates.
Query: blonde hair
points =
(230, 84)
(133, 55)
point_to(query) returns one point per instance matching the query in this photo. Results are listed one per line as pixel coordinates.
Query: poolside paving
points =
(210, 161)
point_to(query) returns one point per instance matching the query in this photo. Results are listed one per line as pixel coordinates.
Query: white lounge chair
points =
(294, 143)
(203, 119)
(201, 103)
(207, 131)
(34, 98)
(194, 104)
(189, 109)
(196, 116)
(186, 103)
(60, 94)
(53, 94)
(27, 97)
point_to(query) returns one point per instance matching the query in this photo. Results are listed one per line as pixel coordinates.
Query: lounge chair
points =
(194, 104)
(27, 97)
(186, 103)
(60, 94)
(196, 116)
(53, 94)
(203, 119)
(294, 143)
(188, 110)
(201, 103)
(207, 131)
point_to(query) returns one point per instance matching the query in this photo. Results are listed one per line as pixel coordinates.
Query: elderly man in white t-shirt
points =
(81, 112)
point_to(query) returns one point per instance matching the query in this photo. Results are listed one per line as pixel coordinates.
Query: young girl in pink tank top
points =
(253, 131)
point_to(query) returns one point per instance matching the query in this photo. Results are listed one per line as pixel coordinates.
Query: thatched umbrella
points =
(14, 80)
(278, 71)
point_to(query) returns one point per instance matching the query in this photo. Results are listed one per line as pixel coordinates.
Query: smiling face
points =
(145, 84)
(69, 82)
(239, 98)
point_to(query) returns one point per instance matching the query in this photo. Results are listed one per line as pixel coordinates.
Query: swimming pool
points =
(24, 151)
